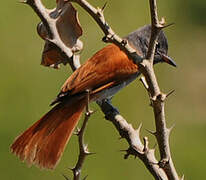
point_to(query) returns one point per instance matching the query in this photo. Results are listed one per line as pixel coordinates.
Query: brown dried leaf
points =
(69, 30)
(68, 25)
(52, 56)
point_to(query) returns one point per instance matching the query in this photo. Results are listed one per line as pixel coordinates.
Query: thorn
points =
(90, 153)
(65, 177)
(23, 1)
(144, 82)
(168, 25)
(85, 177)
(151, 132)
(139, 128)
(105, 4)
(171, 92)
(85, 147)
(120, 138)
(55, 66)
(171, 128)
(183, 177)
(77, 131)
(99, 12)
(162, 22)
(89, 113)
(86, 150)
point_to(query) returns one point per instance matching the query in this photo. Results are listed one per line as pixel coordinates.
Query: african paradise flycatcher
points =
(104, 74)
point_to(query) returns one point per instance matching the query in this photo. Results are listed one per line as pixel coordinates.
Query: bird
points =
(102, 75)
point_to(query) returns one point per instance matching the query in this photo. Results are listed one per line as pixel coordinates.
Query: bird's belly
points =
(110, 92)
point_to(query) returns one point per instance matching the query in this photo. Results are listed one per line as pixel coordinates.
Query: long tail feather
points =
(44, 142)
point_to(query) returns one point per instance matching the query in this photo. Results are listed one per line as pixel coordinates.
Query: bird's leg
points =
(107, 108)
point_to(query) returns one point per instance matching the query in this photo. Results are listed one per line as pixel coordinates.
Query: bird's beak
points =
(168, 60)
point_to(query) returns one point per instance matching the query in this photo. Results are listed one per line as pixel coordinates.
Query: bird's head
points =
(140, 38)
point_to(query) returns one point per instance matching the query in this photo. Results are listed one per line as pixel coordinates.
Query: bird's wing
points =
(108, 67)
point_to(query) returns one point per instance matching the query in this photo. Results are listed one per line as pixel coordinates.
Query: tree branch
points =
(50, 24)
(132, 136)
(158, 98)
(83, 149)
(51, 32)
(164, 169)
(110, 35)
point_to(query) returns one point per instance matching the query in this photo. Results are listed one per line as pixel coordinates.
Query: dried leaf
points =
(69, 30)
(68, 25)
(52, 56)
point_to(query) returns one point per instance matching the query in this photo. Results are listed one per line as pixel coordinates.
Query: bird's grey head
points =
(140, 38)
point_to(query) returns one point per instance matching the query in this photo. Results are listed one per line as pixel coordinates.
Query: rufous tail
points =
(43, 143)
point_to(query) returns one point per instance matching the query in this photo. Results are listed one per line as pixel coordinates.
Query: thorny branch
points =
(53, 29)
(83, 149)
(132, 136)
(158, 98)
(164, 169)
(51, 34)
(110, 35)
(162, 132)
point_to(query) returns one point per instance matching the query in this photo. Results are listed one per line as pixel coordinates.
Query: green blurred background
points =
(27, 88)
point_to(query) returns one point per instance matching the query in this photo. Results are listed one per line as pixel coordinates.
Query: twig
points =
(83, 148)
(144, 82)
(74, 60)
(158, 98)
(132, 136)
(110, 35)
(53, 35)
(50, 24)
(146, 67)
(164, 169)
